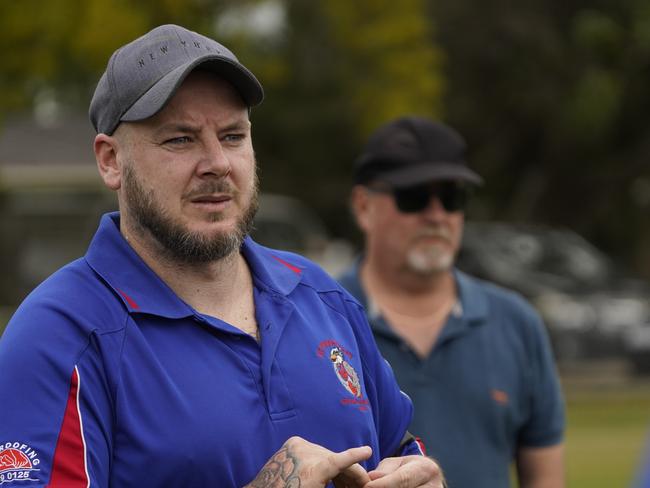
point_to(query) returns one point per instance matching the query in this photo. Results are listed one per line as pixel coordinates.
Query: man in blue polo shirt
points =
(178, 352)
(474, 358)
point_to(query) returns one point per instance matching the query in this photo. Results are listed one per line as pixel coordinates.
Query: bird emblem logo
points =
(345, 372)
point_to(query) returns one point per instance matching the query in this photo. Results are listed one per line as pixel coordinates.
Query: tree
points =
(337, 70)
(552, 98)
(57, 49)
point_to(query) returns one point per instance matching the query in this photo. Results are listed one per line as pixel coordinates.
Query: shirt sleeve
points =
(56, 413)
(546, 422)
(411, 446)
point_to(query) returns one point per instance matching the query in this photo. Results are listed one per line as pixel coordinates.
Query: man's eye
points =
(234, 137)
(179, 140)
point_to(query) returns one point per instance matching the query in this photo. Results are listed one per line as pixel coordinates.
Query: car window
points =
(553, 258)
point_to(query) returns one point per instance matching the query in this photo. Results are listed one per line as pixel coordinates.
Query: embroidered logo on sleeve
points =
(17, 462)
(344, 371)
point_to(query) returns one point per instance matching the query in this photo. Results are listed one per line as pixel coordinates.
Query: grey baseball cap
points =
(142, 75)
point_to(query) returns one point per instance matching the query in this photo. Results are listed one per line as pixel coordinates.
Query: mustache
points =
(435, 231)
(211, 187)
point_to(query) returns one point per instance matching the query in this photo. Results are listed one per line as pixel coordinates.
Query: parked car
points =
(591, 308)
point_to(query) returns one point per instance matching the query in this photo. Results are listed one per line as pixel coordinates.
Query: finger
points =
(352, 477)
(375, 475)
(415, 472)
(387, 465)
(339, 461)
(353, 455)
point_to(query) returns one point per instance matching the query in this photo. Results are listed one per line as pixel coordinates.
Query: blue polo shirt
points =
(107, 378)
(488, 387)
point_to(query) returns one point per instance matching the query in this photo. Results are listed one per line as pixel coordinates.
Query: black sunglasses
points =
(452, 195)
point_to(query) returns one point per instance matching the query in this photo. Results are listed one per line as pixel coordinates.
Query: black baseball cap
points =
(413, 150)
(144, 74)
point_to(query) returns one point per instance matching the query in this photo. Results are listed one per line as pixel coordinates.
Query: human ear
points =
(106, 149)
(361, 207)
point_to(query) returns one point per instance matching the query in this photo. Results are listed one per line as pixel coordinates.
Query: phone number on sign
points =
(21, 475)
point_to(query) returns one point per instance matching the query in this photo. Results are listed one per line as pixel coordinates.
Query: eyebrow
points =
(176, 127)
(237, 125)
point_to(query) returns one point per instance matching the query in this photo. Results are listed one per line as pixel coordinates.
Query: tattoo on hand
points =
(278, 472)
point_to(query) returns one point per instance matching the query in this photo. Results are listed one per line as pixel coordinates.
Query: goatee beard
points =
(430, 261)
(176, 242)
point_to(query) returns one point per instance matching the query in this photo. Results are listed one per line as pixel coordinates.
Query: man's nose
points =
(213, 160)
(435, 209)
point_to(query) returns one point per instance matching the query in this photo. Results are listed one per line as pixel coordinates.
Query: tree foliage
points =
(388, 63)
(332, 75)
(59, 47)
(552, 98)
(338, 70)
(551, 95)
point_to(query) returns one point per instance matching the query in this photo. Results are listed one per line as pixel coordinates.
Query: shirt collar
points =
(472, 304)
(275, 270)
(143, 291)
(472, 297)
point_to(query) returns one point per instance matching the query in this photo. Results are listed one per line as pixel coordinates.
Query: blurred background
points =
(552, 97)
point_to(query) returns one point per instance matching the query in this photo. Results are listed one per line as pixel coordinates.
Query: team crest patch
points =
(340, 358)
(18, 462)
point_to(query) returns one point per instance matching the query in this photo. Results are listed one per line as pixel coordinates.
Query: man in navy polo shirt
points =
(178, 352)
(474, 358)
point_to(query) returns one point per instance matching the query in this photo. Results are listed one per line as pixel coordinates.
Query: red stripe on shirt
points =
(129, 300)
(288, 265)
(421, 445)
(69, 465)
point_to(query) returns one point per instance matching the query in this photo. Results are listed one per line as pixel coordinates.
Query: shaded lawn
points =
(607, 427)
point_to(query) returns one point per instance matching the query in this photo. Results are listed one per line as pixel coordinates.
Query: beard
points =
(432, 258)
(177, 242)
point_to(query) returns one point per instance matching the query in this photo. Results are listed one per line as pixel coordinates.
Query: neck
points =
(405, 291)
(207, 287)
(416, 307)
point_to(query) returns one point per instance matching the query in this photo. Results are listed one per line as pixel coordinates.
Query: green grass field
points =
(608, 420)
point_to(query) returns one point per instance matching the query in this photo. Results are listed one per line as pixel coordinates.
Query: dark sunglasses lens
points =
(452, 197)
(411, 200)
(415, 199)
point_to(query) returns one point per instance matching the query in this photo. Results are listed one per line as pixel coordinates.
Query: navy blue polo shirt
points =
(488, 387)
(107, 378)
